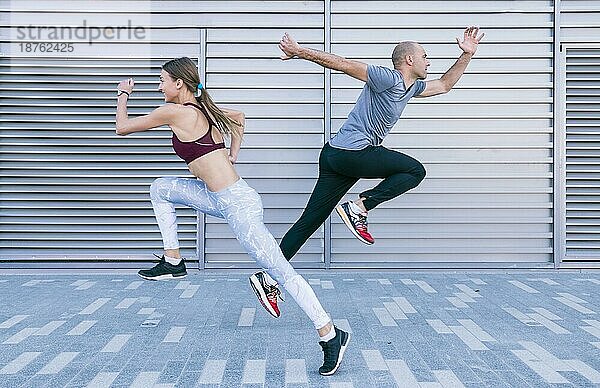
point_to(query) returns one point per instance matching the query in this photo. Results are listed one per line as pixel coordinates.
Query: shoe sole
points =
(340, 211)
(340, 356)
(163, 277)
(258, 290)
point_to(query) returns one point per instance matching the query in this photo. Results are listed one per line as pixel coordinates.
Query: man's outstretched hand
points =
(470, 40)
(288, 45)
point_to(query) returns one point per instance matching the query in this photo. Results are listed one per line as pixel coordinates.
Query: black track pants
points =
(339, 170)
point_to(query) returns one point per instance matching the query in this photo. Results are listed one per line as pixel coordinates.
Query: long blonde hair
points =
(184, 68)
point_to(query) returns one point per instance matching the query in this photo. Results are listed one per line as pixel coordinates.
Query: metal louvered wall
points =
(284, 107)
(486, 145)
(578, 126)
(74, 191)
(71, 190)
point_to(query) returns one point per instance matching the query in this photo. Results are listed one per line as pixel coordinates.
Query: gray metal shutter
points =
(88, 201)
(582, 155)
(284, 107)
(578, 121)
(71, 188)
(487, 145)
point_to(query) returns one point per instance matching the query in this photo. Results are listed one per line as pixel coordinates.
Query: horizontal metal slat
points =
(174, 7)
(143, 203)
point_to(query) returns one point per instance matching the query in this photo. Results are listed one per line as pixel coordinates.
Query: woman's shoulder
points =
(173, 110)
(171, 107)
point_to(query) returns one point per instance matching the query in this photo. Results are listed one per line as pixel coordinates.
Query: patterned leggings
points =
(241, 206)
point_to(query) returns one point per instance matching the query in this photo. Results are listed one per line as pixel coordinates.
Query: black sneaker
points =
(333, 352)
(267, 294)
(164, 270)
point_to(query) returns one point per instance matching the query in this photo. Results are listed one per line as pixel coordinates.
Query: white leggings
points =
(241, 206)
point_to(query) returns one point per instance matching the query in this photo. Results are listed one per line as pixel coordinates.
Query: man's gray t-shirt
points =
(377, 109)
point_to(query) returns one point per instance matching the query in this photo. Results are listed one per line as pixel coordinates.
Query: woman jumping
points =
(198, 127)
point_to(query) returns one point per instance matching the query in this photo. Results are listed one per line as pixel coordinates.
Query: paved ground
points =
(526, 329)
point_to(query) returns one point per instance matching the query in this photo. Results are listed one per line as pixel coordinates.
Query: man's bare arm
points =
(451, 77)
(292, 49)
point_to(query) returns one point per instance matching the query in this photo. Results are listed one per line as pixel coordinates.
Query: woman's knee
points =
(158, 185)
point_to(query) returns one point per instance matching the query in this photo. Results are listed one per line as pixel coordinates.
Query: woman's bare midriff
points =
(215, 170)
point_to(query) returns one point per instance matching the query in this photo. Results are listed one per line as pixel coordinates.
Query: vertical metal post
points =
(200, 233)
(201, 217)
(327, 135)
(559, 144)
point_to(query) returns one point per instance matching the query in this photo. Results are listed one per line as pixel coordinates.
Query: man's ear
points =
(409, 59)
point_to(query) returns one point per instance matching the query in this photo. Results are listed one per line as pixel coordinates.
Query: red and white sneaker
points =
(357, 223)
(267, 294)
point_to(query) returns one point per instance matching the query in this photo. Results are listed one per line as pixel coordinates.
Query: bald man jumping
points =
(355, 151)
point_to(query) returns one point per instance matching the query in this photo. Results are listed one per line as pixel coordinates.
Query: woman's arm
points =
(236, 141)
(158, 117)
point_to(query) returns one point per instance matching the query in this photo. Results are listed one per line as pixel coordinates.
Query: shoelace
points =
(361, 223)
(328, 356)
(273, 293)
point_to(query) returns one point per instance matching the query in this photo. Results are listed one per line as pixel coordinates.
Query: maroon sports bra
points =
(192, 150)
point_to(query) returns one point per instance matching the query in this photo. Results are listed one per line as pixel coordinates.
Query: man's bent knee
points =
(419, 172)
